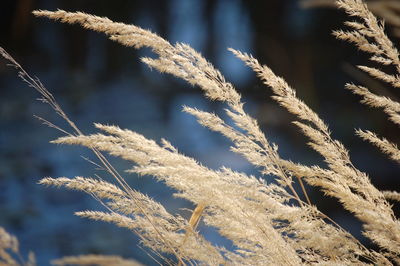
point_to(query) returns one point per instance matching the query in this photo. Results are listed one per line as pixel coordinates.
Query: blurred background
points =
(97, 80)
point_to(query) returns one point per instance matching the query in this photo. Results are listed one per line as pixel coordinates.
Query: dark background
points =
(97, 80)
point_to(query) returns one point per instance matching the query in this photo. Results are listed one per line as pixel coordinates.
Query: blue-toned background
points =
(97, 80)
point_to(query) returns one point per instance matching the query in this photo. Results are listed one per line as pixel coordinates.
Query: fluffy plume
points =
(9, 251)
(96, 260)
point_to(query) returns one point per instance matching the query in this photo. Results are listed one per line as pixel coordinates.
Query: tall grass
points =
(268, 223)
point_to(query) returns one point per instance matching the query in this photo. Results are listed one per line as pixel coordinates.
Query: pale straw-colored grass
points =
(267, 223)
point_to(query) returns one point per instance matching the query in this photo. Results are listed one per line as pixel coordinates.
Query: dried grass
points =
(268, 223)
